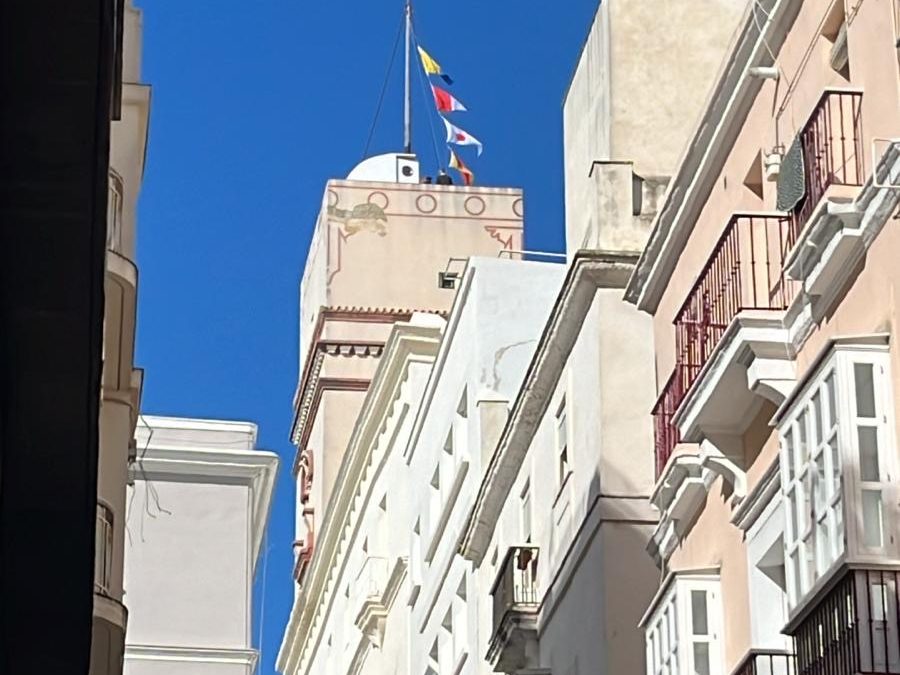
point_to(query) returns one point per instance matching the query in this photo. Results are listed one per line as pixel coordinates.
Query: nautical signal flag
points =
(445, 101)
(457, 136)
(432, 67)
(466, 173)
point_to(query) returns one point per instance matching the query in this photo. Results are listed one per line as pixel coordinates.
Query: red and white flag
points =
(457, 136)
(445, 101)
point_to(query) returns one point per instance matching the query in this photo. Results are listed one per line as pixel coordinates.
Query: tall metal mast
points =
(407, 93)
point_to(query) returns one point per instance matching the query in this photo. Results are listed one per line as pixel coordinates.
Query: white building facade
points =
(197, 515)
(387, 591)
(526, 475)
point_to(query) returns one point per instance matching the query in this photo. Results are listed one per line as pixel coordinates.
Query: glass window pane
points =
(820, 483)
(809, 555)
(655, 642)
(865, 389)
(823, 547)
(835, 454)
(664, 636)
(832, 405)
(673, 627)
(802, 450)
(868, 453)
(699, 621)
(837, 541)
(818, 433)
(803, 506)
(701, 658)
(792, 512)
(796, 587)
(873, 528)
(789, 454)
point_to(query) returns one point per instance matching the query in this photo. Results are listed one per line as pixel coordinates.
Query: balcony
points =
(766, 662)
(832, 148)
(744, 272)
(853, 628)
(513, 644)
(666, 435)
(736, 304)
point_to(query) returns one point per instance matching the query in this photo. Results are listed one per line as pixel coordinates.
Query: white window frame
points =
(824, 483)
(670, 636)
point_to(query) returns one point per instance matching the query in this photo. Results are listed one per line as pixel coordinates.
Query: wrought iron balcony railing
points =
(854, 628)
(744, 271)
(833, 153)
(515, 589)
(666, 435)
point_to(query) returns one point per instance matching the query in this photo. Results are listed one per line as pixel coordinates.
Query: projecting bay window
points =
(837, 467)
(683, 635)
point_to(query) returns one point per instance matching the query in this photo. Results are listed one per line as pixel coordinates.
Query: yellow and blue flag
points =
(432, 67)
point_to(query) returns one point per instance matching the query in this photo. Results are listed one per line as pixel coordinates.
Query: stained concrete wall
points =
(642, 77)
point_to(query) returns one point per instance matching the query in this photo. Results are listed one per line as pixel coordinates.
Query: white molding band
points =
(217, 655)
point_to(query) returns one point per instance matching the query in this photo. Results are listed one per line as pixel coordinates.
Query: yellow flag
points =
(431, 66)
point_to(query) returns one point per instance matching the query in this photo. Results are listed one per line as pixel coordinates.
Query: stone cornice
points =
(589, 271)
(319, 348)
(731, 99)
(408, 343)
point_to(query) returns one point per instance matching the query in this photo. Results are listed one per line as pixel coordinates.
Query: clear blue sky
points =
(255, 105)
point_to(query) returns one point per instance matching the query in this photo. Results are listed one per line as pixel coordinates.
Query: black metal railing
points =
(854, 628)
(515, 589)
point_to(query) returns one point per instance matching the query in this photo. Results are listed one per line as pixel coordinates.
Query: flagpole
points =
(407, 93)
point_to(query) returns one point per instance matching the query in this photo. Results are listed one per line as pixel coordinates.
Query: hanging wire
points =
(437, 156)
(384, 85)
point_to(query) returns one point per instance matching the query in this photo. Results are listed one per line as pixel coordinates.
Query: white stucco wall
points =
(371, 548)
(594, 577)
(197, 510)
(499, 318)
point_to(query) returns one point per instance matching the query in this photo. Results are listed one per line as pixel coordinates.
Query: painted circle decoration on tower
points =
(475, 206)
(378, 199)
(519, 208)
(426, 203)
(332, 198)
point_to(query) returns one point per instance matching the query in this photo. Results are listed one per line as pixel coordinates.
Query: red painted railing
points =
(666, 434)
(744, 271)
(832, 152)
